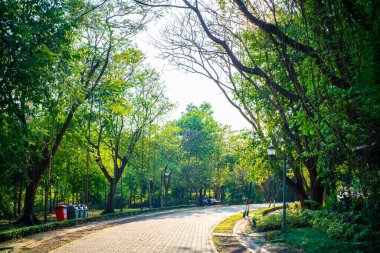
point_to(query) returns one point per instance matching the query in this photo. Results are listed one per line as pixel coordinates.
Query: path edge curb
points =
(211, 240)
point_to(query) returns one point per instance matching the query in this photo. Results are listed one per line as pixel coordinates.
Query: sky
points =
(185, 88)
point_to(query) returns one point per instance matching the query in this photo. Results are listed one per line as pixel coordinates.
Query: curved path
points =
(186, 231)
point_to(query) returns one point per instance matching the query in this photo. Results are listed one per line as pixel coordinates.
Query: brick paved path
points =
(177, 232)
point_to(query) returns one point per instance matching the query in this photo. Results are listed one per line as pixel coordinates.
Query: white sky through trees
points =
(185, 88)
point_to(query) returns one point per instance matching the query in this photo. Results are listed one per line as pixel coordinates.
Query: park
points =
(189, 126)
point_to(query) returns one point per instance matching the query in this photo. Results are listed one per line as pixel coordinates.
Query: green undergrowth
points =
(336, 226)
(227, 225)
(310, 240)
(337, 230)
(18, 232)
(231, 244)
(264, 211)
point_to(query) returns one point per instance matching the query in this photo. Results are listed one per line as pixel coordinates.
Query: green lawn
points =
(227, 225)
(311, 240)
(307, 239)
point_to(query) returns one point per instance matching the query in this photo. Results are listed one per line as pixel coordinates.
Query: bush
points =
(269, 222)
(334, 225)
(294, 218)
(257, 214)
(268, 210)
(339, 226)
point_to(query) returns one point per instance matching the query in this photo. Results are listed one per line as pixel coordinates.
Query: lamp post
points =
(166, 184)
(161, 202)
(272, 153)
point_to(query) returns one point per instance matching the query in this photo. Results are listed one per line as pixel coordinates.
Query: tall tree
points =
(50, 70)
(135, 99)
(199, 138)
(35, 43)
(281, 64)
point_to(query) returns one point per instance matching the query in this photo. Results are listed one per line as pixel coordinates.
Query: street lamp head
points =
(271, 150)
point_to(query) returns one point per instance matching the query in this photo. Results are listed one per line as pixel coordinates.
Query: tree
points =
(43, 50)
(281, 65)
(35, 43)
(135, 100)
(198, 137)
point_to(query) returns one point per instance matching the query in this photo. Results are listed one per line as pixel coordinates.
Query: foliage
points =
(273, 221)
(227, 225)
(334, 225)
(304, 71)
(341, 226)
(72, 83)
(199, 134)
(312, 240)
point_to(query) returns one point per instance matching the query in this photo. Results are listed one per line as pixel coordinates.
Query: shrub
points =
(268, 210)
(335, 225)
(339, 226)
(269, 222)
(294, 218)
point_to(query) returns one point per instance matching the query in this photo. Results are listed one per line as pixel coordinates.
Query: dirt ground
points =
(228, 244)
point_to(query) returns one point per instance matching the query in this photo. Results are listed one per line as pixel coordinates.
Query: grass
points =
(231, 244)
(299, 237)
(227, 225)
(310, 240)
(264, 211)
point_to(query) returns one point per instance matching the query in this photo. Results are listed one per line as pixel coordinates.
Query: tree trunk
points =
(50, 200)
(298, 190)
(37, 171)
(121, 195)
(55, 199)
(141, 195)
(149, 193)
(46, 202)
(152, 193)
(110, 205)
(316, 188)
(28, 216)
(196, 197)
(183, 195)
(15, 203)
(161, 202)
(316, 194)
(19, 201)
(217, 192)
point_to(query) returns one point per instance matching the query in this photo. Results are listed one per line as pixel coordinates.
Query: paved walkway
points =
(41, 241)
(187, 231)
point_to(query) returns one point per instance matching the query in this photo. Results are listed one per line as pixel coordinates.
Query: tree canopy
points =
(84, 118)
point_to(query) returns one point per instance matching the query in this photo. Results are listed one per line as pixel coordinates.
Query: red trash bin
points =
(61, 212)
